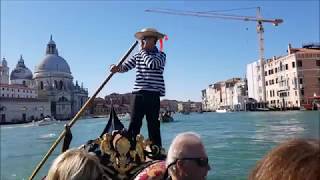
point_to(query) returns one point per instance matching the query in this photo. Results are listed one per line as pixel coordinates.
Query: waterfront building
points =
(4, 72)
(16, 110)
(291, 79)
(254, 78)
(50, 86)
(169, 105)
(189, 106)
(229, 94)
(19, 100)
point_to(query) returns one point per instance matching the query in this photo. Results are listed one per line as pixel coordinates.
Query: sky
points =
(92, 35)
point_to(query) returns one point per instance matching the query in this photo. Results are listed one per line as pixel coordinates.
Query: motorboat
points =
(46, 121)
(313, 103)
(221, 111)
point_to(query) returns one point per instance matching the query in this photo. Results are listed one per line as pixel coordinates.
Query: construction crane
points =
(213, 14)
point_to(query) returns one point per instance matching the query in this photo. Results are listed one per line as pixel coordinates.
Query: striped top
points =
(149, 70)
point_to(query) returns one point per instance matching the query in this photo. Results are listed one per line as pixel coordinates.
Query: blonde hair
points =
(75, 164)
(296, 159)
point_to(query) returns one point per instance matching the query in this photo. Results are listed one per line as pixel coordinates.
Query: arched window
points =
(55, 84)
(24, 83)
(60, 85)
(41, 85)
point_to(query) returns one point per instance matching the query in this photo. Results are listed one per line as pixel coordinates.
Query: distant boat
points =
(125, 116)
(313, 103)
(221, 111)
(45, 121)
(166, 117)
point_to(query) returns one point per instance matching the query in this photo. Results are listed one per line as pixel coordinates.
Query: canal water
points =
(234, 141)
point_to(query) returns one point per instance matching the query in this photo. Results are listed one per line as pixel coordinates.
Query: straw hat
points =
(148, 32)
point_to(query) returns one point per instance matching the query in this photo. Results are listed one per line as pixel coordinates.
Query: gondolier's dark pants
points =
(146, 103)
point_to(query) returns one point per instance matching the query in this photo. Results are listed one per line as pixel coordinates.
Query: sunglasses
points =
(201, 162)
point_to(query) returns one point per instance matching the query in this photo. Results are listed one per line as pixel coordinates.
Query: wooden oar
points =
(76, 117)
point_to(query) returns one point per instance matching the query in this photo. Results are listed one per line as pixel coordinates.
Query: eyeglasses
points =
(201, 162)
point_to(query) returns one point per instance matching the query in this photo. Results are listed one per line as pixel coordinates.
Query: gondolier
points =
(149, 85)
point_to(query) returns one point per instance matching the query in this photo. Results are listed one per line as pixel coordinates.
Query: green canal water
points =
(234, 141)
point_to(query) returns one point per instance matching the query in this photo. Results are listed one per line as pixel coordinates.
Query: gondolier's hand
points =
(114, 68)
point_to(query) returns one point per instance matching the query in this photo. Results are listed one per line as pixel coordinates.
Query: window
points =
(271, 71)
(272, 81)
(318, 62)
(287, 66)
(295, 92)
(266, 83)
(293, 64)
(276, 80)
(300, 81)
(299, 62)
(302, 92)
(266, 73)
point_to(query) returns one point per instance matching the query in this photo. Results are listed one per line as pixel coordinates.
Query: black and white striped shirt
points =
(149, 70)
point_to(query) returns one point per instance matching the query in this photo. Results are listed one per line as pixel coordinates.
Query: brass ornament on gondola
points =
(121, 156)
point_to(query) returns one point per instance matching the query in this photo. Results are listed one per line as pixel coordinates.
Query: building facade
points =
(254, 78)
(291, 79)
(229, 94)
(52, 82)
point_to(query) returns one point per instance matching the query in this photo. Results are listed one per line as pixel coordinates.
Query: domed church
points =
(53, 80)
(51, 84)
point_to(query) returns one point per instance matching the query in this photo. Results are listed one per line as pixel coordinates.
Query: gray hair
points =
(176, 152)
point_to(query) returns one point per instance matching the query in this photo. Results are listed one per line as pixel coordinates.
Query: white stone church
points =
(50, 91)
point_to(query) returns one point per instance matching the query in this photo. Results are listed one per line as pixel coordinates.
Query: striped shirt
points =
(149, 70)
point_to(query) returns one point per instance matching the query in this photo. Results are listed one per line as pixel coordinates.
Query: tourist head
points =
(75, 164)
(295, 160)
(187, 158)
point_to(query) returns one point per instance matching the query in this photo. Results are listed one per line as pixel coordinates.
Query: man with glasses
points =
(187, 158)
(149, 85)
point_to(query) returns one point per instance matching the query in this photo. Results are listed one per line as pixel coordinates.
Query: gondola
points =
(121, 157)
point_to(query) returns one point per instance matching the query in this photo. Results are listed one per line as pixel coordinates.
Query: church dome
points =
(21, 71)
(52, 62)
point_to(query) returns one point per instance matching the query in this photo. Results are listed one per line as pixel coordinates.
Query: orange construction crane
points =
(214, 14)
